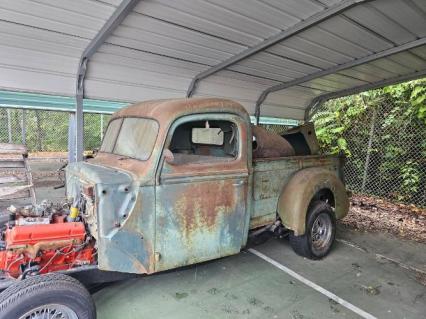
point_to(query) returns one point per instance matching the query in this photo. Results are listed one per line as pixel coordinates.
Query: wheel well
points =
(325, 195)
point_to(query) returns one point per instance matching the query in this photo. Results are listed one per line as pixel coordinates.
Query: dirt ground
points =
(371, 214)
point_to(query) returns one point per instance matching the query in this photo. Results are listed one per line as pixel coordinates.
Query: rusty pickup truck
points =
(175, 182)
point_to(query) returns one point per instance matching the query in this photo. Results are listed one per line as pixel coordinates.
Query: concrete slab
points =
(380, 287)
(241, 286)
(246, 286)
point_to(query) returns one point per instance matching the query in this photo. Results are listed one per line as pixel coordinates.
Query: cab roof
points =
(170, 109)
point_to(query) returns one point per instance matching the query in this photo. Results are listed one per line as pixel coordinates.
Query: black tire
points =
(304, 245)
(51, 289)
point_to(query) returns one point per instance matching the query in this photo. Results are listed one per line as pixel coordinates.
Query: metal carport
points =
(280, 57)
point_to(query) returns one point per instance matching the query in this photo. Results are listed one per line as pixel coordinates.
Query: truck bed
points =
(269, 177)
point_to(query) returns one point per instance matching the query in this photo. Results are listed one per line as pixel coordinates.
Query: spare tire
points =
(47, 296)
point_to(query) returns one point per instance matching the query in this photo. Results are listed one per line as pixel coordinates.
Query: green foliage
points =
(397, 167)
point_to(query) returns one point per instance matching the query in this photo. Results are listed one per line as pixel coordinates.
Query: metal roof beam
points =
(337, 68)
(361, 88)
(113, 22)
(299, 27)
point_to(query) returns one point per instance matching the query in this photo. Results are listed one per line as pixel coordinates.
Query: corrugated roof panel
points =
(47, 62)
(97, 9)
(50, 18)
(388, 64)
(145, 23)
(326, 84)
(375, 70)
(380, 23)
(405, 13)
(259, 12)
(56, 40)
(301, 56)
(282, 110)
(409, 60)
(368, 77)
(123, 75)
(265, 65)
(421, 4)
(178, 15)
(342, 26)
(343, 79)
(294, 68)
(420, 51)
(143, 58)
(298, 8)
(240, 80)
(336, 43)
(115, 3)
(162, 65)
(328, 2)
(39, 46)
(323, 51)
(35, 80)
(299, 90)
(264, 72)
(165, 45)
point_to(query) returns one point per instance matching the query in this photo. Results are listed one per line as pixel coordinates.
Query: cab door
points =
(201, 191)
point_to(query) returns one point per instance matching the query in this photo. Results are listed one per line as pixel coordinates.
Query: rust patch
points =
(199, 206)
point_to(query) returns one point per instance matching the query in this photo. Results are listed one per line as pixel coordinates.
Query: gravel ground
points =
(372, 214)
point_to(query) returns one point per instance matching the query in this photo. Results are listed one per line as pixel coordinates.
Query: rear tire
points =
(46, 295)
(320, 232)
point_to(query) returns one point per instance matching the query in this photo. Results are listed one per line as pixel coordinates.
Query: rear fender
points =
(302, 188)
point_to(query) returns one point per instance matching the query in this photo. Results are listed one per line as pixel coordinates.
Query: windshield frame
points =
(119, 131)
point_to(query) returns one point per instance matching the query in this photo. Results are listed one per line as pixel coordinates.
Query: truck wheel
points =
(47, 296)
(320, 232)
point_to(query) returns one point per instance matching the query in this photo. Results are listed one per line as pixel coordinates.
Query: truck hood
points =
(115, 194)
(96, 174)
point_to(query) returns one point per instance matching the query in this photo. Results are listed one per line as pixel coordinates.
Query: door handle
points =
(239, 183)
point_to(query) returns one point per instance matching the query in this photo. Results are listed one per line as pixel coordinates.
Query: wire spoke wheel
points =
(321, 233)
(52, 311)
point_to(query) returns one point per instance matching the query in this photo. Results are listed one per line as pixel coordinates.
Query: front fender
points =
(301, 189)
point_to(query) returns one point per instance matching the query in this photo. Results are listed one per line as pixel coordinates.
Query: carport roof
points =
(284, 54)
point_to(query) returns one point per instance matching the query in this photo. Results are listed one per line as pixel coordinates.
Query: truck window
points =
(204, 142)
(130, 137)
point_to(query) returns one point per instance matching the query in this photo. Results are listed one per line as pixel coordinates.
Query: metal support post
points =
(370, 143)
(9, 126)
(24, 126)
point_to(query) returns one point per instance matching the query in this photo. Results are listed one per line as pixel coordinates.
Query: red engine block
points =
(52, 247)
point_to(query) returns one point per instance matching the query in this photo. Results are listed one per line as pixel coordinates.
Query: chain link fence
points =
(385, 145)
(47, 131)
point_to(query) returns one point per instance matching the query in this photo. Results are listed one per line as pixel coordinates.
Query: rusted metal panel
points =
(271, 175)
(199, 220)
(269, 144)
(125, 216)
(301, 189)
